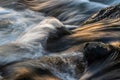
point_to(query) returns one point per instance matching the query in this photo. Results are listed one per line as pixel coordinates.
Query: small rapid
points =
(15, 23)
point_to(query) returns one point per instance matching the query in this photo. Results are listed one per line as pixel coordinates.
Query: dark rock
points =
(112, 12)
(5, 23)
(103, 60)
(96, 51)
(44, 68)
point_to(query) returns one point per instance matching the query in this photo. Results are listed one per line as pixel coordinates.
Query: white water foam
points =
(4, 11)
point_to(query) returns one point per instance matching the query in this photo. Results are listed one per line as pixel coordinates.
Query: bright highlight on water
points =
(4, 11)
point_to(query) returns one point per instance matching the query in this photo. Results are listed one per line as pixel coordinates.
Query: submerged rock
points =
(103, 60)
(5, 24)
(55, 67)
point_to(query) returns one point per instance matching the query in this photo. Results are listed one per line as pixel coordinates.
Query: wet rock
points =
(96, 51)
(4, 23)
(102, 62)
(112, 12)
(103, 59)
(45, 68)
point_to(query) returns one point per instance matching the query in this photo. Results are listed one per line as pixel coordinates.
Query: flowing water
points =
(14, 22)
